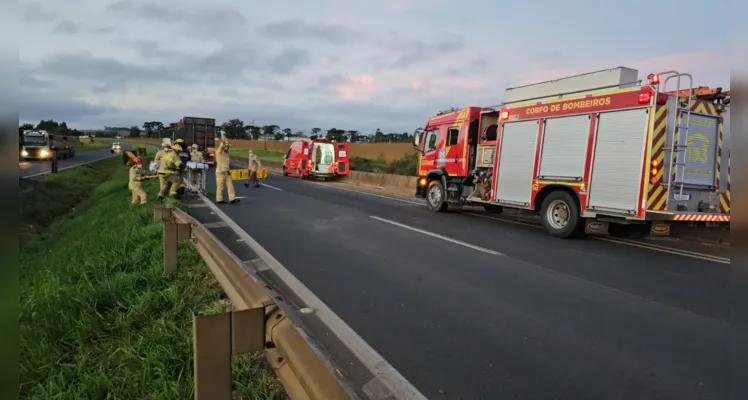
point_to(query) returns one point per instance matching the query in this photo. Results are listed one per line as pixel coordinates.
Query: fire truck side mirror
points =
(417, 141)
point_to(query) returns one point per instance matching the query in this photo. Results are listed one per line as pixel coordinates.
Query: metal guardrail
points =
(257, 323)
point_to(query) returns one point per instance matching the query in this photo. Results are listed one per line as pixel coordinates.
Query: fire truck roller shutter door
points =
(516, 162)
(618, 161)
(564, 147)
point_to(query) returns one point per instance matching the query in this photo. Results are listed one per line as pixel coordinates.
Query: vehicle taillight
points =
(644, 98)
(211, 154)
(504, 114)
(653, 172)
(653, 79)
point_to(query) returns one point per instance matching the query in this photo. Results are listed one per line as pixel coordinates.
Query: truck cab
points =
(449, 152)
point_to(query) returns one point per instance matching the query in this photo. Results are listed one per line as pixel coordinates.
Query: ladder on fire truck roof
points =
(678, 148)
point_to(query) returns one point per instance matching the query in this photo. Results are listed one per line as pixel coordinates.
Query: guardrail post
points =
(173, 233)
(215, 339)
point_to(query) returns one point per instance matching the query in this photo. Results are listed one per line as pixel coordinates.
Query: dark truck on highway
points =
(201, 131)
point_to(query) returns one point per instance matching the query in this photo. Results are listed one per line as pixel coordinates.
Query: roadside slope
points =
(98, 319)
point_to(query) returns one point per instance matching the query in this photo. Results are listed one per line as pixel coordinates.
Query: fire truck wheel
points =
(435, 196)
(560, 215)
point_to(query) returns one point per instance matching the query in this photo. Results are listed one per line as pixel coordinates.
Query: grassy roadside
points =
(83, 148)
(98, 318)
(264, 155)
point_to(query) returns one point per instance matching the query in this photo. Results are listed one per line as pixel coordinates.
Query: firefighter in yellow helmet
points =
(137, 176)
(164, 145)
(223, 173)
(168, 172)
(184, 156)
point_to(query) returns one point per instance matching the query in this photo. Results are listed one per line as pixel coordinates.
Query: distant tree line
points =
(234, 129)
(51, 126)
(237, 129)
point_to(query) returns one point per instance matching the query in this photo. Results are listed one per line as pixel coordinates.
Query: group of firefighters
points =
(172, 160)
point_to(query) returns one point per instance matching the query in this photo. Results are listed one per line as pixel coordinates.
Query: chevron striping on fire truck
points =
(584, 151)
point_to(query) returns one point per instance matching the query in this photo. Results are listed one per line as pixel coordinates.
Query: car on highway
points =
(116, 148)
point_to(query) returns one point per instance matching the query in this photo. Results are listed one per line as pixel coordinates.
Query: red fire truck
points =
(316, 157)
(627, 153)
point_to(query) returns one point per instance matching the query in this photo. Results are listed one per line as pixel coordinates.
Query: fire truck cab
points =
(318, 158)
(584, 151)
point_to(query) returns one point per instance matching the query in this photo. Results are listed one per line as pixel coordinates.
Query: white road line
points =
(628, 242)
(373, 361)
(271, 187)
(66, 168)
(366, 193)
(437, 236)
(659, 246)
(683, 253)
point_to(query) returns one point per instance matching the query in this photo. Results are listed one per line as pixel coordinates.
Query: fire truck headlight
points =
(44, 153)
(24, 153)
(422, 181)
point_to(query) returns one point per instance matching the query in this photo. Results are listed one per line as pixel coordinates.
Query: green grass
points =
(97, 145)
(264, 155)
(98, 318)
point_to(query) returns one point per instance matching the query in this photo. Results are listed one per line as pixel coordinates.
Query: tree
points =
(287, 133)
(316, 131)
(298, 134)
(234, 128)
(353, 135)
(378, 136)
(336, 135)
(254, 132)
(134, 131)
(279, 136)
(270, 130)
(153, 127)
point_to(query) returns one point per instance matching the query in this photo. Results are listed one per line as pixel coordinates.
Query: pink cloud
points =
(356, 86)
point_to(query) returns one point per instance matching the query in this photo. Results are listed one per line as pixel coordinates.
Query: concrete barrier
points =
(383, 180)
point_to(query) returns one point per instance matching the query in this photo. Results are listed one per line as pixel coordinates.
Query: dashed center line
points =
(437, 236)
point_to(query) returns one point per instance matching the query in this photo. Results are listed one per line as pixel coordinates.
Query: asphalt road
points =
(29, 169)
(467, 307)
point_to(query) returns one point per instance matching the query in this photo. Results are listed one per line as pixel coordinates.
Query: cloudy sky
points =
(349, 64)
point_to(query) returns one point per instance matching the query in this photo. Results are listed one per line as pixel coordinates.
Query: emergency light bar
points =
(653, 79)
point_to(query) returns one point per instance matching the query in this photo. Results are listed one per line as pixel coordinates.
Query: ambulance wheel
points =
(285, 173)
(560, 215)
(435, 196)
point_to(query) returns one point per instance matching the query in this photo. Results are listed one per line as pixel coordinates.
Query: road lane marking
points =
(627, 242)
(650, 246)
(69, 167)
(271, 187)
(437, 236)
(662, 249)
(400, 387)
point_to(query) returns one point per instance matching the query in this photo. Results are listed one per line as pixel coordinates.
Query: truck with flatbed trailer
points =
(584, 152)
(38, 144)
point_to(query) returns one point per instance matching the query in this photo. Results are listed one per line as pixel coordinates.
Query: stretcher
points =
(196, 174)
